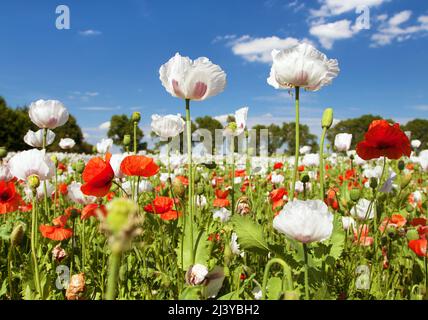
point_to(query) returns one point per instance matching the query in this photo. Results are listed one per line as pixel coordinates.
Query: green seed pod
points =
(178, 188)
(412, 234)
(17, 235)
(136, 117)
(80, 166)
(54, 160)
(392, 232)
(197, 176)
(401, 165)
(355, 194)
(305, 179)
(327, 118)
(3, 152)
(126, 140)
(119, 211)
(409, 208)
(33, 182)
(94, 149)
(200, 189)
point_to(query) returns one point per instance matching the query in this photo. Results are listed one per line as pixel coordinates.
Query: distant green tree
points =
(306, 137)
(120, 125)
(419, 130)
(14, 124)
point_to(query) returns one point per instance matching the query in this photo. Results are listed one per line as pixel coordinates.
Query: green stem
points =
(190, 165)
(232, 174)
(113, 274)
(34, 225)
(135, 136)
(322, 191)
(45, 132)
(287, 273)
(296, 159)
(9, 271)
(305, 253)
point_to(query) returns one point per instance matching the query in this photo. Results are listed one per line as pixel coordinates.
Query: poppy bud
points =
(80, 166)
(17, 235)
(200, 189)
(33, 182)
(227, 254)
(119, 211)
(136, 117)
(305, 179)
(327, 118)
(392, 232)
(405, 181)
(3, 152)
(373, 183)
(94, 149)
(355, 194)
(178, 187)
(54, 160)
(409, 208)
(76, 288)
(412, 234)
(351, 157)
(197, 177)
(401, 165)
(126, 140)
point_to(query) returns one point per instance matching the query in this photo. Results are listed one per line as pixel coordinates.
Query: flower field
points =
(338, 224)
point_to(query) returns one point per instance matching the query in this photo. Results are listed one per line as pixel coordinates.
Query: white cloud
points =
(400, 18)
(104, 125)
(393, 29)
(328, 33)
(90, 33)
(421, 107)
(100, 108)
(92, 94)
(337, 7)
(257, 49)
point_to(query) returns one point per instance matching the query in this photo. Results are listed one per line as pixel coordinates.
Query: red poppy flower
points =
(164, 207)
(10, 200)
(277, 194)
(384, 140)
(301, 168)
(61, 221)
(92, 210)
(418, 222)
(419, 247)
(278, 165)
(240, 173)
(98, 176)
(56, 233)
(61, 166)
(221, 194)
(362, 237)
(183, 180)
(140, 166)
(160, 205)
(62, 188)
(221, 203)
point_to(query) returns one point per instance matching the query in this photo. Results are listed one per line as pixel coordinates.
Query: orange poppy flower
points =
(384, 140)
(98, 176)
(10, 200)
(240, 173)
(56, 233)
(160, 205)
(183, 180)
(221, 194)
(278, 165)
(92, 210)
(140, 166)
(60, 221)
(221, 203)
(362, 237)
(395, 221)
(419, 247)
(170, 215)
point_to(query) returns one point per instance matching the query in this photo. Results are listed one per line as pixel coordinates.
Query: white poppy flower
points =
(222, 214)
(40, 191)
(115, 161)
(48, 114)
(348, 222)
(300, 186)
(193, 80)
(342, 141)
(238, 127)
(302, 66)
(75, 194)
(361, 210)
(201, 201)
(35, 139)
(5, 174)
(104, 145)
(32, 162)
(277, 178)
(168, 126)
(67, 143)
(234, 245)
(311, 159)
(416, 144)
(196, 274)
(305, 221)
(305, 149)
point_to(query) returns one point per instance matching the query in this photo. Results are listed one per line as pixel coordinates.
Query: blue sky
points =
(108, 62)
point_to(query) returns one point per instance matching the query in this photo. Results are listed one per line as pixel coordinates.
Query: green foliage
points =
(120, 125)
(418, 128)
(250, 234)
